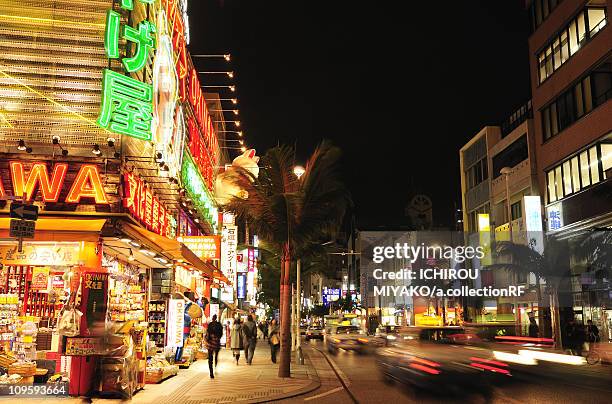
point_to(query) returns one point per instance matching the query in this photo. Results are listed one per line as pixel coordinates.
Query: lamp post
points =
(506, 171)
(299, 171)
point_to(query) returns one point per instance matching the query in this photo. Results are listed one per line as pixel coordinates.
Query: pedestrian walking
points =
(592, 332)
(265, 330)
(237, 340)
(214, 332)
(534, 330)
(274, 339)
(249, 332)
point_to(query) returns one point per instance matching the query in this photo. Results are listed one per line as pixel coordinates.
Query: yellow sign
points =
(42, 253)
(40, 278)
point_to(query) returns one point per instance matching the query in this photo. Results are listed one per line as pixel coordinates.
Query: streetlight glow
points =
(299, 171)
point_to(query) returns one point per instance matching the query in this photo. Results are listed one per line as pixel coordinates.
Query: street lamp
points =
(226, 56)
(231, 88)
(506, 171)
(299, 172)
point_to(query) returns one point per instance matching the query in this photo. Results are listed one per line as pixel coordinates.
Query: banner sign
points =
(40, 278)
(205, 247)
(147, 208)
(229, 243)
(241, 285)
(176, 319)
(41, 254)
(83, 346)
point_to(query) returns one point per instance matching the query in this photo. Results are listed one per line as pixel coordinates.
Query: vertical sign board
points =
(241, 285)
(176, 318)
(533, 223)
(229, 243)
(554, 215)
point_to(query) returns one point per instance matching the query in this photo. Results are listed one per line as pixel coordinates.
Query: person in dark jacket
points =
(274, 339)
(214, 332)
(249, 332)
(534, 330)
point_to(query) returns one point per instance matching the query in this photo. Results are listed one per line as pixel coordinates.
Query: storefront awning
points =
(176, 250)
(63, 225)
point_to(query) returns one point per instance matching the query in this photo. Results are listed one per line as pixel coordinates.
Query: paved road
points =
(352, 378)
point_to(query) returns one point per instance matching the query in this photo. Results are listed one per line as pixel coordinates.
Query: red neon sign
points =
(87, 183)
(144, 206)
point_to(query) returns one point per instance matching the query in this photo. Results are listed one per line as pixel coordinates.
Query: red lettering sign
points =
(144, 206)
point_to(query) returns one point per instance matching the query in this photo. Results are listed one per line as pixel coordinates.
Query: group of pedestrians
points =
(577, 335)
(242, 337)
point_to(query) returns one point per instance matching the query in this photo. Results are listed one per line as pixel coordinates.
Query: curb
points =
(315, 383)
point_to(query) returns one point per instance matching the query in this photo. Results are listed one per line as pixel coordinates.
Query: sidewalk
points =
(242, 383)
(232, 383)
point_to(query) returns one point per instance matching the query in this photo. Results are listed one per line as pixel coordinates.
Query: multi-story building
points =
(570, 58)
(499, 165)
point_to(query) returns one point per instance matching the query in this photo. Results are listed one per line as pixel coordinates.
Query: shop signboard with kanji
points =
(127, 103)
(205, 247)
(229, 243)
(146, 207)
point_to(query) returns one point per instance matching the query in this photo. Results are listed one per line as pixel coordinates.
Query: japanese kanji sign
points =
(127, 104)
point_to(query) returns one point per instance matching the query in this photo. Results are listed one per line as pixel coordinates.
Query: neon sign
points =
(127, 104)
(197, 191)
(147, 208)
(87, 183)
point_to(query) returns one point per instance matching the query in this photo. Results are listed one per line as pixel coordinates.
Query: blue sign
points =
(241, 286)
(330, 295)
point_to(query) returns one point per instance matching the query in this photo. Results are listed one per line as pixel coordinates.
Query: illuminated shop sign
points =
(241, 286)
(331, 295)
(205, 247)
(176, 318)
(29, 179)
(146, 207)
(554, 214)
(176, 18)
(197, 191)
(229, 243)
(168, 123)
(127, 103)
(533, 222)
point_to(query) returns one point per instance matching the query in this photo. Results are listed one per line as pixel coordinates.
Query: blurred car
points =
(314, 332)
(303, 329)
(386, 334)
(349, 338)
(440, 359)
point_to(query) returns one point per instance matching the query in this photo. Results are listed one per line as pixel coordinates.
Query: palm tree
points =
(552, 266)
(290, 213)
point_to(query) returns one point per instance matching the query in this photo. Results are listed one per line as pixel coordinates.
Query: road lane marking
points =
(327, 393)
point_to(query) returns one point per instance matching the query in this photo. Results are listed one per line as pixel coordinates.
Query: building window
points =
(540, 10)
(516, 210)
(579, 172)
(567, 42)
(588, 93)
(477, 173)
(511, 155)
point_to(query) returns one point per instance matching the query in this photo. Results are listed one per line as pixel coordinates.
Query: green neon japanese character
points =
(111, 34)
(129, 4)
(127, 105)
(144, 43)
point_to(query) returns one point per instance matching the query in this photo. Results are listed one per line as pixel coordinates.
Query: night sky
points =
(399, 89)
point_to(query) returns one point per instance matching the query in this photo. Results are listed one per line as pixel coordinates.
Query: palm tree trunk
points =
(540, 306)
(284, 369)
(554, 313)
